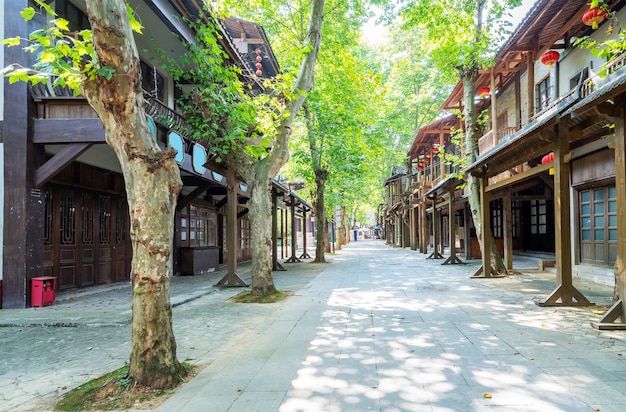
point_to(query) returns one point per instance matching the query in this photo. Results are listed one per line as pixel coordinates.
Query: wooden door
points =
(598, 225)
(105, 241)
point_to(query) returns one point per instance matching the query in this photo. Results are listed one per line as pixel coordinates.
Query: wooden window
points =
(515, 216)
(496, 218)
(87, 217)
(68, 218)
(598, 225)
(120, 221)
(105, 219)
(538, 217)
(578, 78)
(77, 19)
(152, 81)
(543, 94)
(244, 234)
(198, 226)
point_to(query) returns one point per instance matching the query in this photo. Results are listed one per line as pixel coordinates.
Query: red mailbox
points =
(42, 291)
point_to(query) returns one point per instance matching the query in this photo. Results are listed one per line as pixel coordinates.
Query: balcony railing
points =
(45, 93)
(594, 82)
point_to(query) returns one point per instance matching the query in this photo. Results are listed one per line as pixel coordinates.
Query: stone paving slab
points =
(379, 328)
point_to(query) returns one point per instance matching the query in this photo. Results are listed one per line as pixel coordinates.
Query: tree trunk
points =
(261, 233)
(152, 181)
(320, 212)
(472, 134)
(258, 173)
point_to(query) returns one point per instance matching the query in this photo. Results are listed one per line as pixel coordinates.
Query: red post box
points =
(42, 291)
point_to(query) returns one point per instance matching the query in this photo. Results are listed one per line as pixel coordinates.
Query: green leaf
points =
(13, 41)
(28, 13)
(62, 24)
(47, 56)
(134, 23)
(47, 8)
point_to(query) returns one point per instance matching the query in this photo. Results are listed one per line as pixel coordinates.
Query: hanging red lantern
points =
(547, 159)
(484, 92)
(258, 51)
(259, 59)
(594, 16)
(259, 73)
(258, 65)
(550, 57)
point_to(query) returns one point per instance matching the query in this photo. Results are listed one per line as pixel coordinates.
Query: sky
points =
(376, 34)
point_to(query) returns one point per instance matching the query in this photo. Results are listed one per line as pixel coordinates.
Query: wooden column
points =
(615, 317)
(565, 293)
(468, 233)
(531, 84)
(485, 270)
(494, 105)
(436, 222)
(292, 207)
(305, 254)
(275, 264)
(507, 227)
(453, 259)
(231, 278)
(423, 228)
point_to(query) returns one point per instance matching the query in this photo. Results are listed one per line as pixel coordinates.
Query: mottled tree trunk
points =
(320, 212)
(152, 181)
(261, 233)
(472, 134)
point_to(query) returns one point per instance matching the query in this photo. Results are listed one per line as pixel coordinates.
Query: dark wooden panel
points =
(87, 275)
(104, 272)
(67, 277)
(597, 166)
(68, 131)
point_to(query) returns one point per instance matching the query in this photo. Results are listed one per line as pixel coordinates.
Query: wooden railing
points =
(44, 93)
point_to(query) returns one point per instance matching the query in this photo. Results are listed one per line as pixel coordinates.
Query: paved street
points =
(379, 328)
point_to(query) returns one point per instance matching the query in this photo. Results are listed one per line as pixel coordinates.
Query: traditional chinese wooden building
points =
(552, 158)
(64, 211)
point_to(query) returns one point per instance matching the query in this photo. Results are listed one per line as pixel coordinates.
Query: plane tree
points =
(102, 65)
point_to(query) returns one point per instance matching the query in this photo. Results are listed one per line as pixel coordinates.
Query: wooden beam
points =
(520, 176)
(56, 131)
(186, 200)
(53, 166)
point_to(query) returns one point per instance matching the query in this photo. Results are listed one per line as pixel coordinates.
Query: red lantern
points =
(550, 57)
(259, 59)
(484, 92)
(594, 16)
(547, 159)
(259, 73)
(258, 65)
(258, 51)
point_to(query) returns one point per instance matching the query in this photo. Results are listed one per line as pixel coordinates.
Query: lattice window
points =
(105, 219)
(120, 221)
(87, 214)
(68, 218)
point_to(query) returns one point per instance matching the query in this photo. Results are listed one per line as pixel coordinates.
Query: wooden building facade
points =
(551, 159)
(64, 210)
